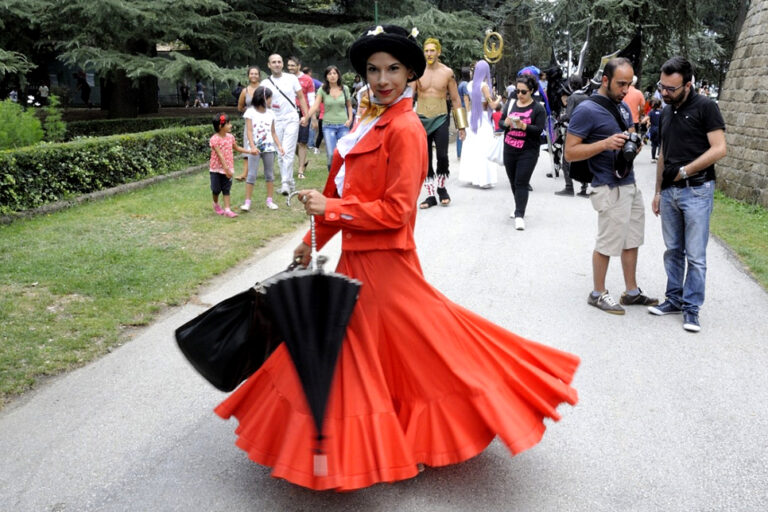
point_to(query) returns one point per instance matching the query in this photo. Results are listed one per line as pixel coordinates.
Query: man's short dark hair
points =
(295, 60)
(465, 73)
(678, 64)
(611, 65)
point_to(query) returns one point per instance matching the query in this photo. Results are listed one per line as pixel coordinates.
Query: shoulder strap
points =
(344, 90)
(611, 107)
(281, 92)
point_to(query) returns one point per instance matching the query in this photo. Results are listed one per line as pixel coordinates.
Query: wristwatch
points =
(682, 173)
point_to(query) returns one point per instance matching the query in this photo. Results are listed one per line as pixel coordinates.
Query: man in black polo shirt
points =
(692, 134)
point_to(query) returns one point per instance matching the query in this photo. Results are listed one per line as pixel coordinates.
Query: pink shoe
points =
(218, 209)
(229, 213)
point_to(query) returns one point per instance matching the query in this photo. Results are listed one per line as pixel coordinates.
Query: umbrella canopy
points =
(311, 309)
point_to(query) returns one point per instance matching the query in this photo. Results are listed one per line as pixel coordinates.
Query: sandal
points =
(445, 199)
(301, 172)
(429, 202)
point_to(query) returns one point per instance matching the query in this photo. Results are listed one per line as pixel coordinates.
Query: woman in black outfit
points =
(523, 120)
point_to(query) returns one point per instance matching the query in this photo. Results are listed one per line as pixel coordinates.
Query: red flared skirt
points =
(420, 379)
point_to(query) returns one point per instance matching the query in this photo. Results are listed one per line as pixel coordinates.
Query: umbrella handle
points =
(313, 255)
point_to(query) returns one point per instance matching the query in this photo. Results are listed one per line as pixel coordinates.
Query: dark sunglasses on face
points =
(667, 88)
(522, 91)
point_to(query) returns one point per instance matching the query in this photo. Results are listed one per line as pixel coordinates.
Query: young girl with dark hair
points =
(221, 164)
(262, 137)
(243, 102)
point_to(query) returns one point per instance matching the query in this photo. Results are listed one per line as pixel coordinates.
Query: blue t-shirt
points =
(462, 91)
(655, 116)
(593, 123)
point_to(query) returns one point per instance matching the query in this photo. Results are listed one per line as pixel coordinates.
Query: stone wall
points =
(743, 174)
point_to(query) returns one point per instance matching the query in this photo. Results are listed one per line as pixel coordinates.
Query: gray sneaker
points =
(605, 302)
(637, 300)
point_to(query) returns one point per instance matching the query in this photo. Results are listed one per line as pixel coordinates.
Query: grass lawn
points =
(744, 227)
(72, 282)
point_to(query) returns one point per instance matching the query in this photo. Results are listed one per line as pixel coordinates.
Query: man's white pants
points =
(288, 133)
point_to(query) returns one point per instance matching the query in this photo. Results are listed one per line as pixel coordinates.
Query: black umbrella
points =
(231, 340)
(311, 308)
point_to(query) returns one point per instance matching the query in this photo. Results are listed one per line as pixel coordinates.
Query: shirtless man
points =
(432, 88)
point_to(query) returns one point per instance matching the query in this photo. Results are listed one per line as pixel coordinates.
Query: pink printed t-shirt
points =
(225, 146)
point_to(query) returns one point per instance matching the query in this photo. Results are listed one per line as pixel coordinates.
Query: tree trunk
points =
(121, 96)
(147, 95)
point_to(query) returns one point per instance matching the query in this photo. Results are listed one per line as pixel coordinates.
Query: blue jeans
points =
(331, 134)
(685, 216)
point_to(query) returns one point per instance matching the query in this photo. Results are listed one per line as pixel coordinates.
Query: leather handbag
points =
(230, 341)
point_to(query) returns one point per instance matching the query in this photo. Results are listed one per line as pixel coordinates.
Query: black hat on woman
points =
(392, 39)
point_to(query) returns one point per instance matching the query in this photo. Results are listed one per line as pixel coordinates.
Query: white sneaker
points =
(271, 204)
(519, 223)
(245, 207)
(285, 189)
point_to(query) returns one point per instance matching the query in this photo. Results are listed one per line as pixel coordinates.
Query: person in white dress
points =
(475, 168)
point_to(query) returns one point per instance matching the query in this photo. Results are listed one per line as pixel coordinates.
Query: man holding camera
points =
(601, 131)
(692, 134)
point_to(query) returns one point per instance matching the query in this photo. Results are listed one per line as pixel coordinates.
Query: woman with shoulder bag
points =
(337, 119)
(523, 120)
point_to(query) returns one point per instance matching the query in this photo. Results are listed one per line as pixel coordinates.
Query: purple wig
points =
(482, 74)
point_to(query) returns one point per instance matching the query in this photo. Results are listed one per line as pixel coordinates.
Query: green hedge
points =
(104, 127)
(33, 176)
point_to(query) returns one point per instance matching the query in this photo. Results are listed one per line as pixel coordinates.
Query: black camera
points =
(629, 150)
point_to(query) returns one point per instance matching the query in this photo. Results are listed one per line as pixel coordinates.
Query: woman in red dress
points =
(407, 391)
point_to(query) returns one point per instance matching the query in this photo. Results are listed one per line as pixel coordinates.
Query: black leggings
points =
(519, 167)
(319, 137)
(440, 138)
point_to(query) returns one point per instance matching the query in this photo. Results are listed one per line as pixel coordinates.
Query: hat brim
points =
(400, 47)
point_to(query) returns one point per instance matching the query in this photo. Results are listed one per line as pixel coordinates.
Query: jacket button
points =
(349, 235)
(332, 215)
(347, 185)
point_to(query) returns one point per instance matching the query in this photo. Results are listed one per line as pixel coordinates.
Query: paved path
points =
(667, 420)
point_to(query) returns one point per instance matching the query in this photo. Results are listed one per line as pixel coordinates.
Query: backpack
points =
(579, 171)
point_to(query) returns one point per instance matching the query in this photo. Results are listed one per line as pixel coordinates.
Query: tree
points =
(118, 40)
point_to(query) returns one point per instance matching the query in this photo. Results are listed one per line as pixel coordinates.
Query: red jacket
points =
(384, 173)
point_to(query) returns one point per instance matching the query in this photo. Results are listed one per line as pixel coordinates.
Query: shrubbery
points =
(18, 127)
(102, 127)
(33, 176)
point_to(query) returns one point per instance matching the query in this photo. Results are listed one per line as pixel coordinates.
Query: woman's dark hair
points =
(528, 80)
(219, 120)
(655, 102)
(680, 65)
(326, 83)
(260, 96)
(253, 67)
(465, 73)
